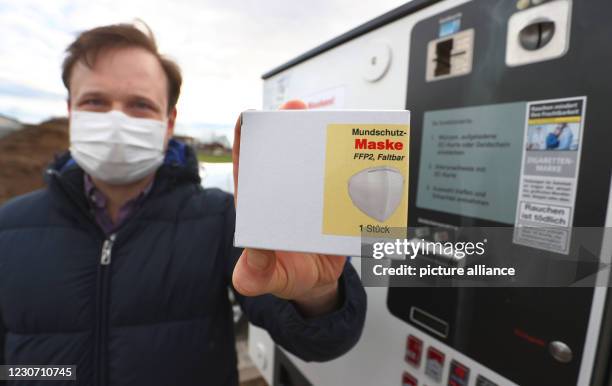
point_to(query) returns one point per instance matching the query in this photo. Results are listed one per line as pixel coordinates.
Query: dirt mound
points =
(25, 154)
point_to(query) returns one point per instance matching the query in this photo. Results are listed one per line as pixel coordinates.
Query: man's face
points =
(130, 80)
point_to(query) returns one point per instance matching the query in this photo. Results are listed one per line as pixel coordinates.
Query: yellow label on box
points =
(366, 178)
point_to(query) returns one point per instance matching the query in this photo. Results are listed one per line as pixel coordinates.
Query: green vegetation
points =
(214, 158)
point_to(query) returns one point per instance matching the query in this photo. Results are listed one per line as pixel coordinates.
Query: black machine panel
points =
(510, 329)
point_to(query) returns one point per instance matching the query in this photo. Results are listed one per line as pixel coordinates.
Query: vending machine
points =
(509, 140)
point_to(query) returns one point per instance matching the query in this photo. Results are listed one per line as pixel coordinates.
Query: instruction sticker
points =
(549, 173)
(449, 25)
(366, 178)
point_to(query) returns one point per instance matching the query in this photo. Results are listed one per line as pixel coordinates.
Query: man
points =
(560, 138)
(121, 265)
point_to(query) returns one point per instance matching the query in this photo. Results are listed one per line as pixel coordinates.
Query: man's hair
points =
(89, 43)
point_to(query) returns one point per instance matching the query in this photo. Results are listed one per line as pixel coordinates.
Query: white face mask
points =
(114, 147)
(377, 191)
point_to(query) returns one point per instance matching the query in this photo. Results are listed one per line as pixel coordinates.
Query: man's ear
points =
(171, 123)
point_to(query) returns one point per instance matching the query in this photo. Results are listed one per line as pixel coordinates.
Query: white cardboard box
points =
(310, 180)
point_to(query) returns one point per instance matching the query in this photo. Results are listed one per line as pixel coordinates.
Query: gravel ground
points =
(26, 153)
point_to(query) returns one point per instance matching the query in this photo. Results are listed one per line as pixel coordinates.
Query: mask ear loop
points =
(392, 202)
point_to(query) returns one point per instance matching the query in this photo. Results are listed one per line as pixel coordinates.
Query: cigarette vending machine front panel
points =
(479, 73)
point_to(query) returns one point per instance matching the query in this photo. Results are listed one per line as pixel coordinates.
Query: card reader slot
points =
(443, 57)
(429, 322)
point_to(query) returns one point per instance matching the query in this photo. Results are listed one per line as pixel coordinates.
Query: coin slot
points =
(536, 35)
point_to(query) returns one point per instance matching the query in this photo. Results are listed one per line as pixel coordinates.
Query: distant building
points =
(220, 139)
(214, 148)
(206, 141)
(8, 125)
(215, 145)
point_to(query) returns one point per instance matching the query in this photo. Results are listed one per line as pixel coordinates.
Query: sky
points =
(222, 46)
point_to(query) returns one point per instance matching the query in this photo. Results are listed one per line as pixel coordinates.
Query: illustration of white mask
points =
(115, 147)
(377, 191)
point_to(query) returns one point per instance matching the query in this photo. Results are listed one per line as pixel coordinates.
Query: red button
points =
(414, 350)
(409, 380)
(434, 366)
(458, 375)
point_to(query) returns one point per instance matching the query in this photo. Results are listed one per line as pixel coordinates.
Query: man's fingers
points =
(256, 273)
(236, 154)
(294, 104)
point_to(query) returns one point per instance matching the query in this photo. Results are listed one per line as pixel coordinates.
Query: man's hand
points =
(310, 280)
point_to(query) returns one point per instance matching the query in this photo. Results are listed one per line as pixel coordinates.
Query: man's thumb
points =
(259, 260)
(254, 273)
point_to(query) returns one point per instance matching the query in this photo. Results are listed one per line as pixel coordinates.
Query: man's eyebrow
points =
(90, 94)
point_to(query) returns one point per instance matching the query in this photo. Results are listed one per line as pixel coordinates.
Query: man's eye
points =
(93, 102)
(142, 105)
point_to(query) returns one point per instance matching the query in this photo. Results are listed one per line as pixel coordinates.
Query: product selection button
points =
(459, 374)
(434, 365)
(414, 350)
(409, 380)
(482, 381)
